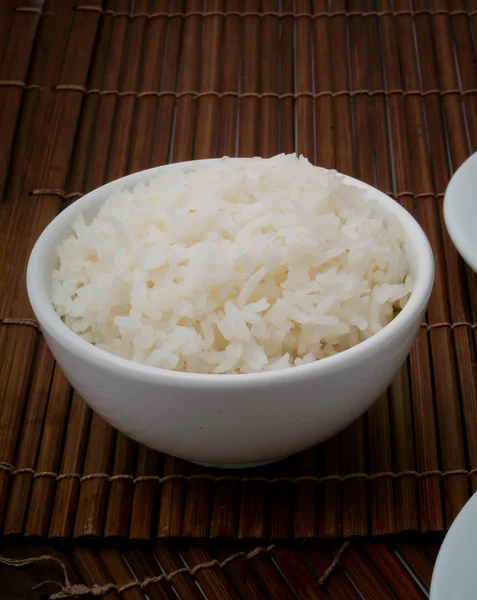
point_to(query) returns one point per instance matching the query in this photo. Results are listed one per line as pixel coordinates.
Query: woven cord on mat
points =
(262, 95)
(259, 95)
(280, 15)
(233, 478)
(70, 590)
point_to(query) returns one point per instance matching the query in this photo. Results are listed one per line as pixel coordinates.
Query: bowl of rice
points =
(231, 311)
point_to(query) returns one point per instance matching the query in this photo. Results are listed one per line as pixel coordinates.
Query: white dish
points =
(229, 420)
(455, 572)
(460, 210)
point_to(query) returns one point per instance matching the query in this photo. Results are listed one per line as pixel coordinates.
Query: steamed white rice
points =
(235, 267)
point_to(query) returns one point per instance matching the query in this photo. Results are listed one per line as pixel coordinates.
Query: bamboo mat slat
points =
(18, 42)
(91, 90)
(216, 571)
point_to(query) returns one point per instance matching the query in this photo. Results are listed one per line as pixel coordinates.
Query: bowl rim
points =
(450, 219)
(57, 329)
(452, 545)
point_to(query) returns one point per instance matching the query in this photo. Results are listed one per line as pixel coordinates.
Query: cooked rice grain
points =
(233, 267)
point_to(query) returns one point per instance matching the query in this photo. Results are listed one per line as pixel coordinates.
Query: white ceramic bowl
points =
(228, 420)
(455, 573)
(460, 210)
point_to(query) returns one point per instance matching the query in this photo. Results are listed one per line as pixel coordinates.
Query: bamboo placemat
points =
(92, 90)
(216, 571)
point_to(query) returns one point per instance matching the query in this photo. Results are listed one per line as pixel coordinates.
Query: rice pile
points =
(235, 267)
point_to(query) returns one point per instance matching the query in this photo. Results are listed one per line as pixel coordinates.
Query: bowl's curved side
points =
(455, 575)
(260, 420)
(460, 210)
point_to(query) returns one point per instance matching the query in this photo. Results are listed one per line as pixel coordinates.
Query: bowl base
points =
(238, 465)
